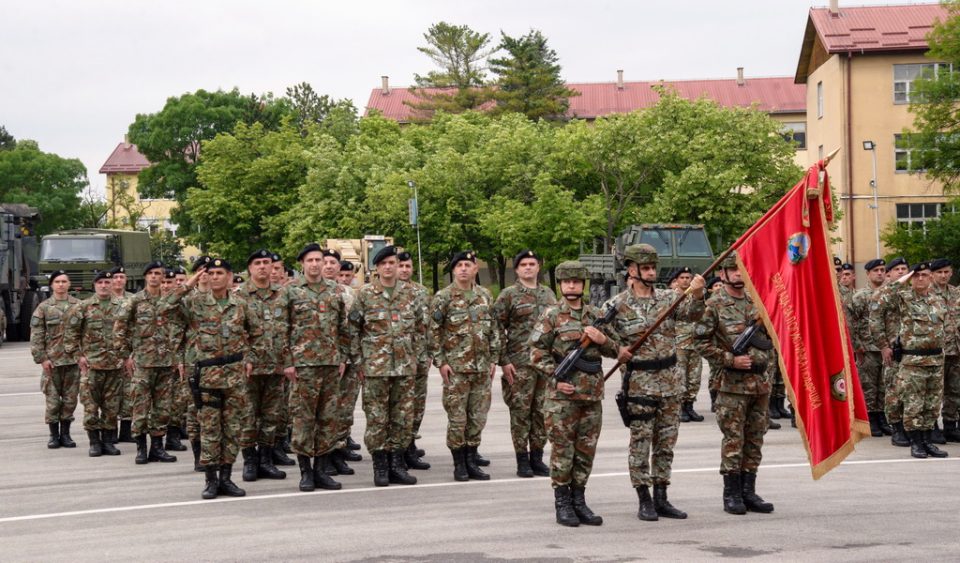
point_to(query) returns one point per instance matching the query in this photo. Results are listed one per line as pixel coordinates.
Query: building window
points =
(904, 159)
(915, 215)
(905, 75)
(819, 100)
(796, 133)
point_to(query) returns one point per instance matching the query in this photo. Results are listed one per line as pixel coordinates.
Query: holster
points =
(217, 394)
(624, 401)
(897, 350)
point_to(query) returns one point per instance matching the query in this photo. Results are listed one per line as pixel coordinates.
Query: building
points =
(858, 65)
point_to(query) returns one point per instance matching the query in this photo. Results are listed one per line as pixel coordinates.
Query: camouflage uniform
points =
(349, 385)
(47, 342)
(517, 310)
(423, 363)
(951, 350)
(90, 334)
(689, 361)
(126, 396)
(870, 364)
(884, 326)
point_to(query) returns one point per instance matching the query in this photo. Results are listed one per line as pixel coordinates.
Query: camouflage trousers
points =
(100, 391)
(691, 366)
(892, 405)
(921, 391)
(264, 396)
(126, 397)
(652, 440)
(573, 428)
(525, 400)
(151, 399)
(777, 388)
(713, 381)
(347, 402)
(467, 401)
(313, 410)
(179, 400)
(283, 417)
(743, 422)
(420, 396)
(388, 403)
(951, 387)
(192, 422)
(220, 419)
(870, 368)
(60, 389)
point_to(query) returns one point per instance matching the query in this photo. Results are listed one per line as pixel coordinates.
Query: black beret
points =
(220, 263)
(179, 271)
(238, 279)
(524, 254)
(199, 263)
(169, 274)
(460, 257)
(331, 252)
(289, 271)
(898, 261)
(276, 257)
(676, 273)
(875, 263)
(347, 266)
(385, 252)
(939, 264)
(118, 270)
(837, 262)
(262, 253)
(713, 281)
(56, 274)
(312, 247)
(920, 266)
(156, 264)
(103, 275)
(404, 256)
(847, 266)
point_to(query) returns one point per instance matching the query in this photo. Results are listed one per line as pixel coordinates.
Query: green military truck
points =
(81, 252)
(677, 246)
(18, 268)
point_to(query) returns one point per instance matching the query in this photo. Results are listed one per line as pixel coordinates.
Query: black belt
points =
(652, 365)
(926, 352)
(220, 361)
(755, 368)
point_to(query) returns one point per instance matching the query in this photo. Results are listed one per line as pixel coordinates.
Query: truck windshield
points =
(692, 243)
(659, 239)
(73, 250)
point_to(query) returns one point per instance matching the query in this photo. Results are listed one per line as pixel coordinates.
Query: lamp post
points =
(872, 147)
(414, 208)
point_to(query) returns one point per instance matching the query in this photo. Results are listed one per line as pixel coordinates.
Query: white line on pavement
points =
(2, 395)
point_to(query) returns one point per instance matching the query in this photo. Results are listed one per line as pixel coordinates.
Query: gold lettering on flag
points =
(796, 339)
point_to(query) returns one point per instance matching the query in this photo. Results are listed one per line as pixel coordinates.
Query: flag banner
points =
(788, 270)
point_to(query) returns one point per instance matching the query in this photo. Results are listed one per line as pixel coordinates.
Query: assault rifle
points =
(562, 373)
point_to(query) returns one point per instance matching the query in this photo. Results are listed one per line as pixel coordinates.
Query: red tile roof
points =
(772, 95)
(125, 158)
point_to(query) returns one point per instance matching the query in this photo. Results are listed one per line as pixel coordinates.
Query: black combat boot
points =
(412, 460)
(773, 425)
(211, 482)
(284, 444)
(351, 444)
(885, 426)
(227, 486)
(349, 455)
(96, 446)
(694, 415)
(663, 506)
(932, 450)
(320, 476)
(195, 446)
(917, 448)
(398, 470)
(125, 436)
(65, 439)
(784, 411)
(473, 468)
(774, 412)
(267, 469)
(339, 463)
(108, 438)
(54, 441)
(279, 457)
(580, 508)
(733, 494)
(899, 437)
(184, 435)
(523, 465)
(481, 461)
(713, 400)
(420, 451)
(936, 436)
(539, 468)
(751, 499)
(460, 465)
(381, 468)
(684, 415)
(142, 457)
(157, 453)
(306, 474)
(326, 466)
(875, 430)
(951, 431)
(647, 512)
(251, 461)
(173, 439)
(563, 503)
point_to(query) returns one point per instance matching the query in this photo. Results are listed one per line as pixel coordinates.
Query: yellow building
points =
(858, 65)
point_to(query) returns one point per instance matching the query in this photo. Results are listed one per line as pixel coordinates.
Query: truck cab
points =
(81, 252)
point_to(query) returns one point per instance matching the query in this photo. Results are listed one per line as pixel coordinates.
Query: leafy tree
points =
(46, 181)
(460, 82)
(92, 213)
(528, 78)
(336, 117)
(7, 141)
(940, 238)
(165, 247)
(124, 209)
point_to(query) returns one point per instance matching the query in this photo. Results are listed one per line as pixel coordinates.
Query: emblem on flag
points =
(798, 246)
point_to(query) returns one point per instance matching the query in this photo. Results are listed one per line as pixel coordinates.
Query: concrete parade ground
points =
(60, 505)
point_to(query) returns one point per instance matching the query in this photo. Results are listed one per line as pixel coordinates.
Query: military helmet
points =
(571, 270)
(730, 262)
(642, 253)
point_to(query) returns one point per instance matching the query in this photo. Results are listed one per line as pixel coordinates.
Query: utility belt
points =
(652, 365)
(197, 391)
(648, 405)
(755, 368)
(926, 352)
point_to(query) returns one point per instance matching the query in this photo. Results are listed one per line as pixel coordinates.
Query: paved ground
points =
(61, 505)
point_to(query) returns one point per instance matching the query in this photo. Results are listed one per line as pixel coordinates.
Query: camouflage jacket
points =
(919, 322)
(846, 300)
(517, 310)
(423, 359)
(463, 330)
(48, 329)
(90, 332)
(348, 294)
(634, 316)
(884, 323)
(723, 320)
(858, 317)
(143, 331)
(269, 351)
(951, 332)
(320, 334)
(557, 332)
(391, 331)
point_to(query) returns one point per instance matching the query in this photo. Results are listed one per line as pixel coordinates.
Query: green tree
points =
(939, 238)
(7, 141)
(459, 83)
(528, 78)
(336, 117)
(165, 247)
(46, 181)
(92, 213)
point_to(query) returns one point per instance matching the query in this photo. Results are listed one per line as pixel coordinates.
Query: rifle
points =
(562, 372)
(752, 337)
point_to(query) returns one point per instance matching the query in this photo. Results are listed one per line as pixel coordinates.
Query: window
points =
(692, 243)
(904, 159)
(819, 100)
(905, 75)
(916, 215)
(796, 133)
(659, 239)
(72, 249)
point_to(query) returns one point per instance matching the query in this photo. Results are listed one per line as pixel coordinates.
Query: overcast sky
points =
(73, 74)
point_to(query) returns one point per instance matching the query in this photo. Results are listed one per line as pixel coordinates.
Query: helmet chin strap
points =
(641, 280)
(572, 296)
(735, 285)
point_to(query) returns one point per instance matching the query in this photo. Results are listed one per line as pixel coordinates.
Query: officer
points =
(744, 390)
(125, 412)
(347, 273)
(573, 407)
(653, 382)
(465, 344)
(517, 309)
(223, 327)
(60, 381)
(89, 337)
(413, 454)
(349, 387)
(884, 324)
(942, 272)
(690, 362)
(278, 276)
(869, 361)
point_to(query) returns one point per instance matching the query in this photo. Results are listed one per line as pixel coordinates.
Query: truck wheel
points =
(29, 305)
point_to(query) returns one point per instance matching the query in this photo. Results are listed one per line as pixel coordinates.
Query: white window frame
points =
(903, 86)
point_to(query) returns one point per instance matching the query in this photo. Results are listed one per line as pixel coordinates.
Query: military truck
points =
(81, 252)
(18, 269)
(360, 252)
(677, 245)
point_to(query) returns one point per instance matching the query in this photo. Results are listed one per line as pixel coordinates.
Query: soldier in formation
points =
(884, 326)
(414, 454)
(689, 360)
(942, 272)
(866, 352)
(349, 385)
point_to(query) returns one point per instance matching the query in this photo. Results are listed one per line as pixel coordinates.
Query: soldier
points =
(652, 383)
(942, 272)
(388, 317)
(347, 273)
(278, 276)
(60, 381)
(413, 453)
(222, 326)
(90, 337)
(349, 387)
(690, 362)
(744, 390)
(884, 325)
(169, 281)
(869, 361)
(714, 284)
(517, 309)
(320, 345)
(143, 337)
(465, 344)
(574, 409)
(269, 305)
(125, 412)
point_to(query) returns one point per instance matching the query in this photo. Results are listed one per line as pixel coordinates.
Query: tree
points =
(165, 247)
(124, 208)
(46, 181)
(460, 82)
(336, 117)
(939, 238)
(529, 78)
(92, 213)
(7, 141)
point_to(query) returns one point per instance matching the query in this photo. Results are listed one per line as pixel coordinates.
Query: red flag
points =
(788, 270)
